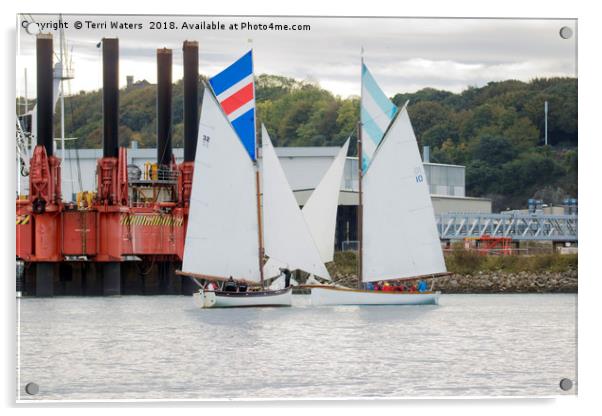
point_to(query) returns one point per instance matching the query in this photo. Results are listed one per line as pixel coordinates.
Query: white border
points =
(590, 152)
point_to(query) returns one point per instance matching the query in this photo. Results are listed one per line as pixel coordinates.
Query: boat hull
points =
(341, 296)
(219, 299)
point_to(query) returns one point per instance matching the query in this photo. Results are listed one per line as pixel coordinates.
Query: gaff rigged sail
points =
(221, 238)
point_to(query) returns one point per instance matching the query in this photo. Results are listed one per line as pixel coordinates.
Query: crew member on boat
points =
(230, 285)
(287, 277)
(401, 287)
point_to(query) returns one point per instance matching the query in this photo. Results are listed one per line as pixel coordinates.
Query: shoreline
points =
(504, 282)
(496, 282)
(475, 273)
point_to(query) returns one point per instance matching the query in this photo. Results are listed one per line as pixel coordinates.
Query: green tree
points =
(496, 130)
(426, 114)
(494, 150)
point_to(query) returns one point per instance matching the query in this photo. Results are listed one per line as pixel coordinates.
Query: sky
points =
(404, 54)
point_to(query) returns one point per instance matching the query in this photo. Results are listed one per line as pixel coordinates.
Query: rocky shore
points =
(497, 282)
(504, 282)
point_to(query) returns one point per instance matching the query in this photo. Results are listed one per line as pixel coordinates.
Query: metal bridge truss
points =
(519, 227)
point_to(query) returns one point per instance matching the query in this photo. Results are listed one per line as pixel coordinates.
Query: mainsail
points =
(287, 237)
(400, 238)
(221, 238)
(320, 212)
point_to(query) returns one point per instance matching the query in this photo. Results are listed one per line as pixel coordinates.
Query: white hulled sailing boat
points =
(225, 236)
(398, 235)
(225, 233)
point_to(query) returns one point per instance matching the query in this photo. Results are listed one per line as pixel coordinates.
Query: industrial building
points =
(304, 168)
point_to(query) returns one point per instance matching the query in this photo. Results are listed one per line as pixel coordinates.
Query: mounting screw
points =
(32, 388)
(566, 32)
(31, 28)
(566, 384)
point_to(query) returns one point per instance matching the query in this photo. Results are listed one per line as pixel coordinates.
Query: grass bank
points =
(469, 262)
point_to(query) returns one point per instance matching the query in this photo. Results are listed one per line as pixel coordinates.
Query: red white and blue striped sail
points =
(235, 91)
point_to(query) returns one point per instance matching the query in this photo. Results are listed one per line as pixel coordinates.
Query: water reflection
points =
(165, 347)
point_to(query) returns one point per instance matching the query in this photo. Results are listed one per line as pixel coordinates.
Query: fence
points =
(517, 227)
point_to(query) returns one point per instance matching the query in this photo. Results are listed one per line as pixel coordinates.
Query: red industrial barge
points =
(128, 236)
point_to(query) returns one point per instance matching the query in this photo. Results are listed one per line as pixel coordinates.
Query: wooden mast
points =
(257, 186)
(259, 222)
(360, 207)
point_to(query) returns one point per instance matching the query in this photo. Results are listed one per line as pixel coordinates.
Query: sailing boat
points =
(398, 234)
(320, 214)
(224, 237)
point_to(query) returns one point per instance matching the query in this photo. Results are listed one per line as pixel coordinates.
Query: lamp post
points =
(545, 109)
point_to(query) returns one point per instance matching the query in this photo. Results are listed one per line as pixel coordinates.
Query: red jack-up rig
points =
(128, 236)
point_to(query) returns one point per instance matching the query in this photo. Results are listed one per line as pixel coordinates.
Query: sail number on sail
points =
(205, 140)
(419, 175)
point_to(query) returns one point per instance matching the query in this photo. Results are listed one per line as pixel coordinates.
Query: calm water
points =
(163, 347)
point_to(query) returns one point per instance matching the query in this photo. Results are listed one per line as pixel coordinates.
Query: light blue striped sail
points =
(376, 112)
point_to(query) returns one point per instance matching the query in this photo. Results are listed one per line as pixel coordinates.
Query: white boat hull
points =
(341, 296)
(219, 299)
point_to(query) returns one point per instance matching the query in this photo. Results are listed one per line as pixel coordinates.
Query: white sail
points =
(222, 233)
(287, 237)
(320, 212)
(400, 238)
(272, 267)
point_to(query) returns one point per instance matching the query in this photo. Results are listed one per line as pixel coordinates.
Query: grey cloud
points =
(404, 54)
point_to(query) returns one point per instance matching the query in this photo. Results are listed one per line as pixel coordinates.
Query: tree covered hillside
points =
(496, 131)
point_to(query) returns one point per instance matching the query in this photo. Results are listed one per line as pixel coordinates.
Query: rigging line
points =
(76, 145)
(68, 149)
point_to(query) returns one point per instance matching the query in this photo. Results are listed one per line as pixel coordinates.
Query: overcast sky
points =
(404, 55)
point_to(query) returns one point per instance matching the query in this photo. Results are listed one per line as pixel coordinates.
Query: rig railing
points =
(518, 227)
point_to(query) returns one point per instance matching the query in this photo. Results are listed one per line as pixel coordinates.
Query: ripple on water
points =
(163, 347)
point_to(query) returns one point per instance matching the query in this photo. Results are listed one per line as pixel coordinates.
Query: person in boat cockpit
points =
(422, 286)
(287, 277)
(401, 287)
(230, 285)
